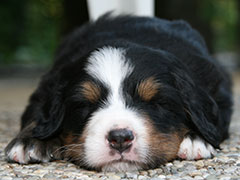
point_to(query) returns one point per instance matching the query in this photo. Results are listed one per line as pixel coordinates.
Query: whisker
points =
(69, 146)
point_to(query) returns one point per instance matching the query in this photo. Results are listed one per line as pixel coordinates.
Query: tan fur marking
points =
(74, 147)
(68, 139)
(148, 88)
(91, 91)
(164, 146)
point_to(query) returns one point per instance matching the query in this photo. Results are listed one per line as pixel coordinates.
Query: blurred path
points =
(14, 94)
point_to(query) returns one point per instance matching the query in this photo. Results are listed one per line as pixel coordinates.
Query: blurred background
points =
(30, 30)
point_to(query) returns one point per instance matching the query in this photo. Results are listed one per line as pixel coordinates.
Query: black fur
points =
(195, 91)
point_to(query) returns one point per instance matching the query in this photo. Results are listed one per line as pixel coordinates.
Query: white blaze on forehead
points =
(109, 66)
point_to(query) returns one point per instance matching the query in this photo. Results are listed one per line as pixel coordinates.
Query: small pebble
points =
(152, 173)
(233, 149)
(143, 172)
(199, 164)
(41, 171)
(225, 178)
(169, 164)
(141, 177)
(211, 177)
(162, 176)
(238, 162)
(33, 177)
(49, 176)
(114, 177)
(122, 175)
(159, 171)
(131, 175)
(6, 178)
(225, 150)
(198, 177)
(195, 173)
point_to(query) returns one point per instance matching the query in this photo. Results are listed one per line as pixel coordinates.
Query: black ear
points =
(51, 118)
(46, 109)
(202, 110)
(204, 114)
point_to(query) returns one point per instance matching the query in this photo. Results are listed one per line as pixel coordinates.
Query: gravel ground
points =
(14, 93)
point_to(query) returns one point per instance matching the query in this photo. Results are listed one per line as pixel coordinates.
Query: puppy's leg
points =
(195, 148)
(25, 149)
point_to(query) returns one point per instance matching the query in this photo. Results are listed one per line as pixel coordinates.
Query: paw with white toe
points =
(196, 148)
(24, 151)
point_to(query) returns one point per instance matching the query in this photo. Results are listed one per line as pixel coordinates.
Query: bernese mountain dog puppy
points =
(127, 93)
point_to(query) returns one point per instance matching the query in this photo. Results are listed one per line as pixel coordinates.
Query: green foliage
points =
(10, 23)
(223, 16)
(30, 29)
(32, 33)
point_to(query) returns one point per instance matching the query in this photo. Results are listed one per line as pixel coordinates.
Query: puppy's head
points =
(124, 111)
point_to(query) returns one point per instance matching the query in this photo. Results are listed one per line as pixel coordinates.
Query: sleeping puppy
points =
(127, 93)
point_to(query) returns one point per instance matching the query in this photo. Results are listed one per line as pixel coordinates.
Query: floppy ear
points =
(200, 107)
(46, 109)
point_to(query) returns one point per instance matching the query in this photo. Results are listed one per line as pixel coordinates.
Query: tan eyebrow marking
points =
(91, 91)
(148, 88)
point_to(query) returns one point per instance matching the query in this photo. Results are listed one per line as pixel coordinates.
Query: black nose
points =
(120, 139)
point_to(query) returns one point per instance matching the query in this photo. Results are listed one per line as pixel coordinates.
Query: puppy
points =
(127, 93)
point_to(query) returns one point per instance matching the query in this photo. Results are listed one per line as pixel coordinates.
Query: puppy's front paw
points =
(28, 150)
(196, 148)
